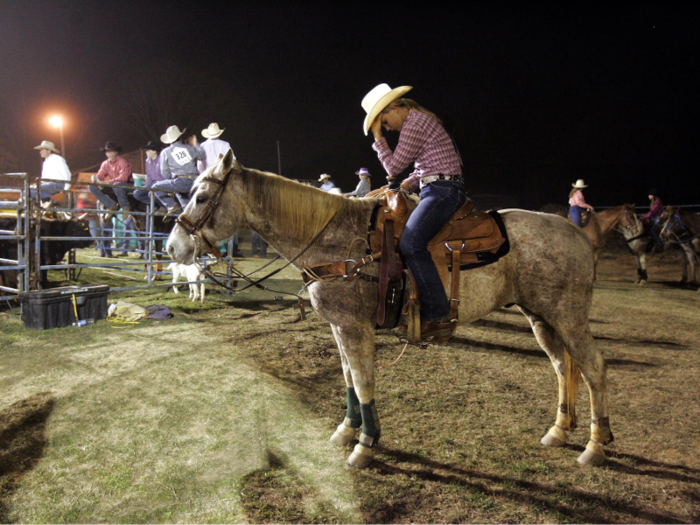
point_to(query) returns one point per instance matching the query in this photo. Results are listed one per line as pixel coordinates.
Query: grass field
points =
(222, 414)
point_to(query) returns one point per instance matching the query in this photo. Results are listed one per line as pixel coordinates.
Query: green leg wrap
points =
(370, 425)
(353, 417)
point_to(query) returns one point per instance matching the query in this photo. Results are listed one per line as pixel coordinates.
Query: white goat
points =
(190, 272)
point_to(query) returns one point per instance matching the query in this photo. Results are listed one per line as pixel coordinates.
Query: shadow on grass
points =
(570, 502)
(486, 323)
(22, 443)
(643, 342)
(461, 341)
(277, 494)
(632, 464)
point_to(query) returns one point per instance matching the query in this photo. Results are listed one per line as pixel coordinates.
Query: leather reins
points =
(194, 230)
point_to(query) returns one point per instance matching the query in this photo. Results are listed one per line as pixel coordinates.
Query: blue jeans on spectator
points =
(575, 214)
(130, 231)
(145, 197)
(259, 244)
(46, 189)
(104, 194)
(96, 232)
(438, 202)
(181, 185)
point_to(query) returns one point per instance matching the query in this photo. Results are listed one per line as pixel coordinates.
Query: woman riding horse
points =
(423, 142)
(577, 203)
(548, 274)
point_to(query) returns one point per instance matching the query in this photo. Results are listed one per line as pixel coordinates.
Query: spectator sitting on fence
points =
(53, 167)
(213, 146)
(116, 170)
(153, 174)
(363, 187)
(178, 165)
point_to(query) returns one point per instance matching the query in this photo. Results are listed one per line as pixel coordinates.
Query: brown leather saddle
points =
(469, 239)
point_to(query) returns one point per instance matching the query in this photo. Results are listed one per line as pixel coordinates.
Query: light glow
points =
(56, 122)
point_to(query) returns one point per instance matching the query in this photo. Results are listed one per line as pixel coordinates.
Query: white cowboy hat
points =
(324, 176)
(379, 98)
(363, 171)
(580, 184)
(47, 145)
(171, 135)
(213, 131)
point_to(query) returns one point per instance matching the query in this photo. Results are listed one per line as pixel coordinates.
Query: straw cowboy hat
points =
(324, 176)
(171, 135)
(379, 98)
(111, 146)
(363, 171)
(213, 131)
(47, 145)
(580, 184)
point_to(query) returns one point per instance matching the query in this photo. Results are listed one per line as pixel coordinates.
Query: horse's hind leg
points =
(583, 350)
(567, 375)
(356, 345)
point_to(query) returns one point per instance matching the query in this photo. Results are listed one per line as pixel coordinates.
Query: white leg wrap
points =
(361, 456)
(594, 455)
(343, 435)
(556, 437)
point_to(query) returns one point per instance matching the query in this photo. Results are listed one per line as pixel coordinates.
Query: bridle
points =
(194, 229)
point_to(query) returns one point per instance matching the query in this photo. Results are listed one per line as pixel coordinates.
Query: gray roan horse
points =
(548, 274)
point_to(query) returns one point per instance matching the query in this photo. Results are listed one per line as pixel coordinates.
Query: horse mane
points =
(299, 210)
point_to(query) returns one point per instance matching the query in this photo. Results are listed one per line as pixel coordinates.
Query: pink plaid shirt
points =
(423, 142)
(578, 200)
(117, 171)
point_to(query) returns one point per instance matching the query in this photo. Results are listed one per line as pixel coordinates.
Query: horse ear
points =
(228, 161)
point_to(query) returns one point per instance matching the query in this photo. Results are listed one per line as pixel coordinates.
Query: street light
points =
(57, 122)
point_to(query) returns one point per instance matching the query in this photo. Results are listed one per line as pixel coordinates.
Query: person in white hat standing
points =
(178, 165)
(423, 142)
(213, 146)
(326, 183)
(363, 187)
(577, 204)
(54, 167)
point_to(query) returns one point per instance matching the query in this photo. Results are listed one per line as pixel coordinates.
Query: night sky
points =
(535, 97)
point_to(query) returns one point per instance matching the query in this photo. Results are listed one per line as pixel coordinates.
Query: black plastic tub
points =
(54, 308)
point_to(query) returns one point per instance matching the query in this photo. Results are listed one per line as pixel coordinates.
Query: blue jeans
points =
(145, 197)
(438, 202)
(46, 189)
(259, 244)
(104, 194)
(96, 231)
(181, 185)
(575, 214)
(130, 231)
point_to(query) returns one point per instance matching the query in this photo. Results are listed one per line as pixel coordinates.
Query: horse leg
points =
(356, 345)
(581, 346)
(642, 276)
(567, 375)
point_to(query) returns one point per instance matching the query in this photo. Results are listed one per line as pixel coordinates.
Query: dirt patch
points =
(22, 442)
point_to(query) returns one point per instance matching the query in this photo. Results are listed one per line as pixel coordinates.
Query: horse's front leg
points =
(356, 345)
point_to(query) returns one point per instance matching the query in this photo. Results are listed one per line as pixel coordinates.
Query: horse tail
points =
(572, 375)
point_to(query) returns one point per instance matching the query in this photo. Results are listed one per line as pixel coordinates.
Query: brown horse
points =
(683, 230)
(602, 223)
(548, 274)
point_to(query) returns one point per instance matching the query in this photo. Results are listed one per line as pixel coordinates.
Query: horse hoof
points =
(556, 437)
(361, 456)
(343, 435)
(594, 455)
